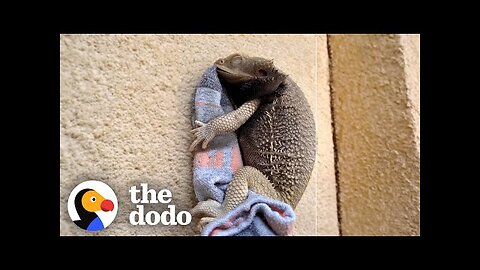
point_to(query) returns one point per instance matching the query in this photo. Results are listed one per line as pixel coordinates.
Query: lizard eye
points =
(262, 72)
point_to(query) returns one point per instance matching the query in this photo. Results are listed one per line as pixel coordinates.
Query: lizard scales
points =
(279, 140)
(276, 133)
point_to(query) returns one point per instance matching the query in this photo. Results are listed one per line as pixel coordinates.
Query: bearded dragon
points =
(275, 129)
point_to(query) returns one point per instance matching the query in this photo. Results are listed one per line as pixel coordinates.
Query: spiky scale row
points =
(279, 140)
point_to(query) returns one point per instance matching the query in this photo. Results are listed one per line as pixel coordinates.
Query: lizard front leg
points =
(223, 124)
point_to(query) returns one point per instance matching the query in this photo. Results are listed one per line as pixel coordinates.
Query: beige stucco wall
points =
(125, 117)
(410, 45)
(375, 90)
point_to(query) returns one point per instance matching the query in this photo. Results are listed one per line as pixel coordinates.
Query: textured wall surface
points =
(376, 112)
(125, 118)
(411, 51)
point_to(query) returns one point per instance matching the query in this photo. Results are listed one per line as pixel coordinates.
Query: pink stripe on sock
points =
(219, 159)
(236, 158)
(202, 159)
(280, 211)
(206, 104)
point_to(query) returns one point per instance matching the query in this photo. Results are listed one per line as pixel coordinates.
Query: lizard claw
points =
(204, 132)
(203, 222)
(200, 123)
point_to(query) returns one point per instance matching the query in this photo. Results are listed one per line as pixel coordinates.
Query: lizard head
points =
(248, 77)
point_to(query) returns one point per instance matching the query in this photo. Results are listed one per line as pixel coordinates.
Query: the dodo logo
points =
(92, 205)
